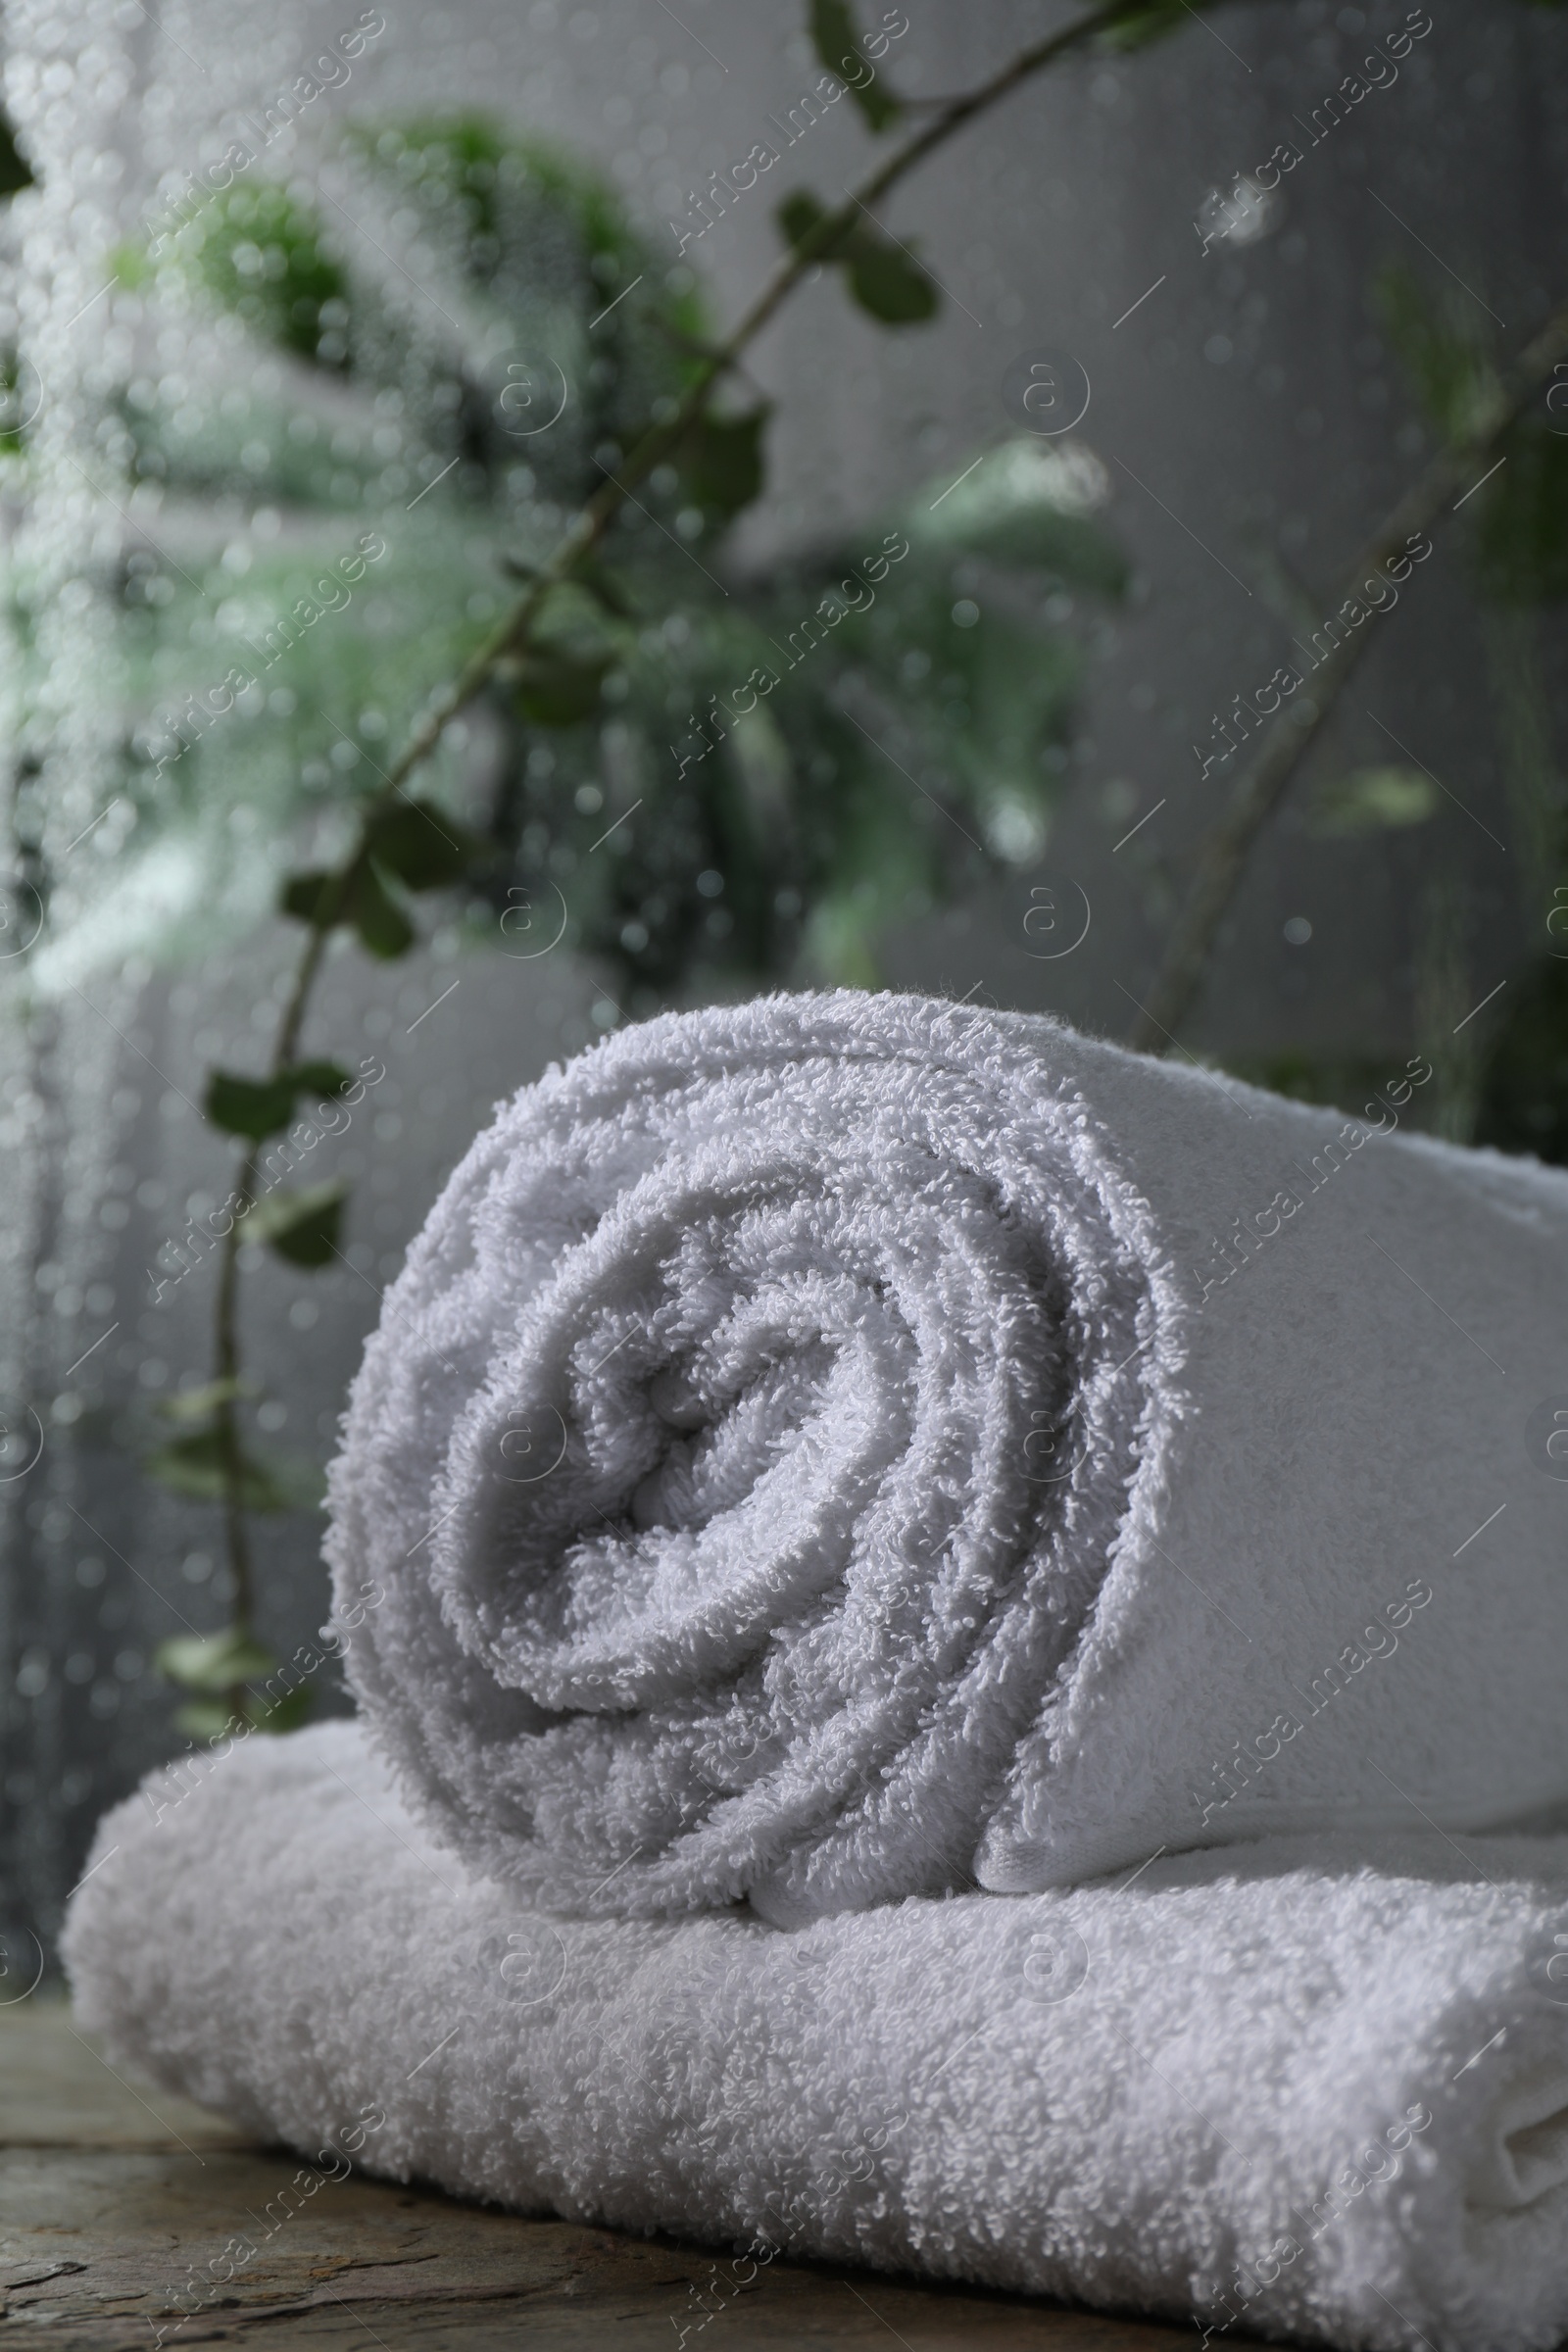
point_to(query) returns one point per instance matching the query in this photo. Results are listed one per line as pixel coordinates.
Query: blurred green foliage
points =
(1508, 1085)
(837, 41)
(710, 766)
(1524, 1085)
(1373, 800)
(261, 255)
(1515, 536)
(14, 171)
(884, 276)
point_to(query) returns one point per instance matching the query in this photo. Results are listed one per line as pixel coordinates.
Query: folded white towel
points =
(1269, 2087)
(824, 1449)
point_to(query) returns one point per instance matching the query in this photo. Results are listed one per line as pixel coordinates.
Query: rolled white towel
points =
(841, 1446)
(1309, 2089)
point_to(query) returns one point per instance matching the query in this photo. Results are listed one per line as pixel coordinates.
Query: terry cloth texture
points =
(1283, 2086)
(845, 1446)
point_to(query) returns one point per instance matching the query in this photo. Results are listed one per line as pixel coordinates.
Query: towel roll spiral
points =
(741, 1452)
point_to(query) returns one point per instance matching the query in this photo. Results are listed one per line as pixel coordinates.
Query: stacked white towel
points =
(1273, 2088)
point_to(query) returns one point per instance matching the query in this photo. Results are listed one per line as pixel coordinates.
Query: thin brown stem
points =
(1223, 857)
(287, 1045)
(226, 1420)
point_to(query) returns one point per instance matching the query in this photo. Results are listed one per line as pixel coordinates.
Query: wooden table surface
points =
(113, 2195)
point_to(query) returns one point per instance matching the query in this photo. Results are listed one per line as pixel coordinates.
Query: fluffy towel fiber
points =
(846, 1446)
(1264, 2086)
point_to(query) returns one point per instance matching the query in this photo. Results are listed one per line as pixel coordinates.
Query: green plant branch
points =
(510, 633)
(237, 1536)
(509, 639)
(1223, 856)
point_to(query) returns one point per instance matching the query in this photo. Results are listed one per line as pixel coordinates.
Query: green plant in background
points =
(263, 258)
(1510, 1088)
(726, 727)
(1372, 800)
(15, 173)
(709, 769)
(14, 177)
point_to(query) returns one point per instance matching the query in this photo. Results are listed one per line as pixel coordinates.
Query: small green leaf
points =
(1524, 1079)
(839, 940)
(302, 1227)
(193, 1466)
(205, 1718)
(284, 302)
(298, 1481)
(131, 265)
(194, 1404)
(1143, 26)
(213, 1661)
(721, 458)
(1027, 503)
(1374, 800)
(889, 282)
(1440, 342)
(12, 404)
(315, 897)
(602, 584)
(837, 46)
(1521, 521)
(556, 688)
(256, 1107)
(383, 927)
(421, 846)
(884, 279)
(322, 1078)
(15, 172)
(284, 1714)
(797, 215)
